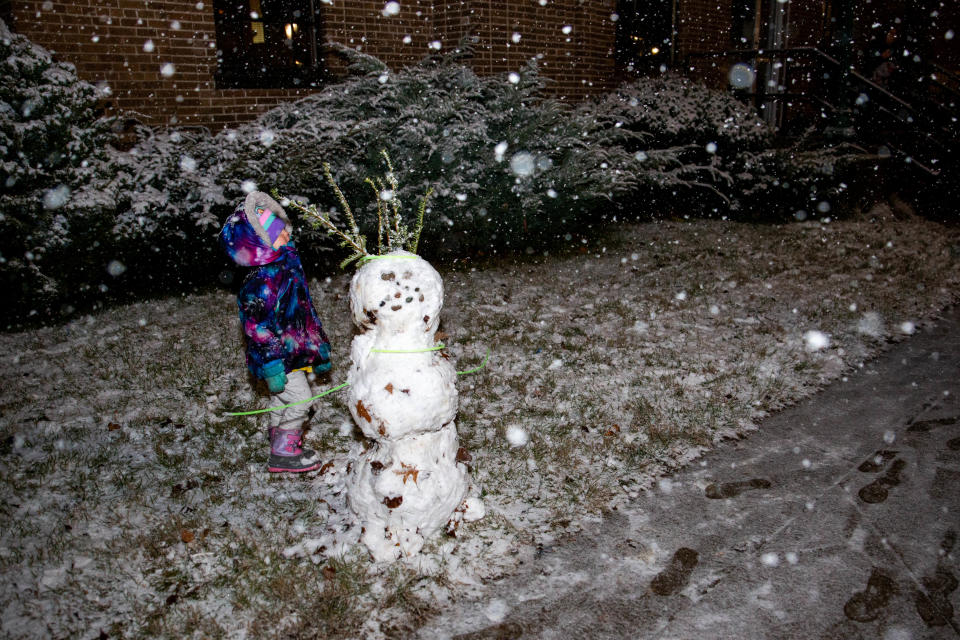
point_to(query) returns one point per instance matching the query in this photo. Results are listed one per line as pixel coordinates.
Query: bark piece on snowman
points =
(402, 391)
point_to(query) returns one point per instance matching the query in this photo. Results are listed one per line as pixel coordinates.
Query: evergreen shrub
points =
(51, 141)
(510, 168)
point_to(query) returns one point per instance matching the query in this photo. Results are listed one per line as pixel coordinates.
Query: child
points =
(283, 333)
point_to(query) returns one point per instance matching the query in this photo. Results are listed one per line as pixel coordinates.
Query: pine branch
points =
(354, 241)
(422, 210)
(398, 235)
(395, 186)
(343, 201)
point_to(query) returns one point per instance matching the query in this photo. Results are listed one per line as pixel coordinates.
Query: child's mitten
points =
(324, 366)
(275, 376)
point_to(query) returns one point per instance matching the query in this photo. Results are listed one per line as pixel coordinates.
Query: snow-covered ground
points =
(133, 507)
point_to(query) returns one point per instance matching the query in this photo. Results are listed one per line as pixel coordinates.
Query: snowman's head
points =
(399, 292)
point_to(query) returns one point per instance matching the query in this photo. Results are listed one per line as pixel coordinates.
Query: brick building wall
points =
(572, 40)
(702, 25)
(108, 40)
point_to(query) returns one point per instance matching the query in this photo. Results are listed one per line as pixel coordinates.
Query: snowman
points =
(413, 479)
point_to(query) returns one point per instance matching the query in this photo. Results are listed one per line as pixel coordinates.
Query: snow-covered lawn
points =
(132, 507)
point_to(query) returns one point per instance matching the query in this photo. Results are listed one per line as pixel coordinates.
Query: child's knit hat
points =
(266, 217)
(271, 223)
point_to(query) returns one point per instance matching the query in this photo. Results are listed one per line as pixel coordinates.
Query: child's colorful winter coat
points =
(276, 312)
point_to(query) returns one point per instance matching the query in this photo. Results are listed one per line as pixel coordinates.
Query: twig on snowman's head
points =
(390, 224)
(354, 241)
(423, 208)
(343, 201)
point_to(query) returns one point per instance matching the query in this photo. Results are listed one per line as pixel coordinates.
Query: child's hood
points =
(244, 238)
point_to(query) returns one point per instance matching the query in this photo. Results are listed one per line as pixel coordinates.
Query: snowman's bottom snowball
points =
(404, 491)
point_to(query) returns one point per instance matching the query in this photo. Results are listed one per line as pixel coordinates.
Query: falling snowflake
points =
(514, 77)
(391, 9)
(248, 186)
(871, 324)
(56, 197)
(499, 151)
(816, 340)
(741, 76)
(522, 164)
(168, 70)
(517, 436)
(148, 46)
(515, 38)
(116, 268)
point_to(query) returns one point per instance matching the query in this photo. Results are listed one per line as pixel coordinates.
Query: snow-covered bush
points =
(50, 140)
(80, 219)
(509, 167)
(691, 140)
(671, 111)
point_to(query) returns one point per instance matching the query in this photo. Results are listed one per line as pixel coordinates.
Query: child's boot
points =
(287, 453)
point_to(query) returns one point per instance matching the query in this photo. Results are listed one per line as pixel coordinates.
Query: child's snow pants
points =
(297, 390)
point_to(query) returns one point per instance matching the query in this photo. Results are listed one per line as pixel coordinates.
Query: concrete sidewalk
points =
(838, 519)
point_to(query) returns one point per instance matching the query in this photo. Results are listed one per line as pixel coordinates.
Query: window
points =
(745, 29)
(644, 34)
(267, 43)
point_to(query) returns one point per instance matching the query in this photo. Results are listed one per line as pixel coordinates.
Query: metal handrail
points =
(849, 80)
(762, 53)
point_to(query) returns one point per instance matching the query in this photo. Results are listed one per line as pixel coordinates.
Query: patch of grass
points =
(400, 587)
